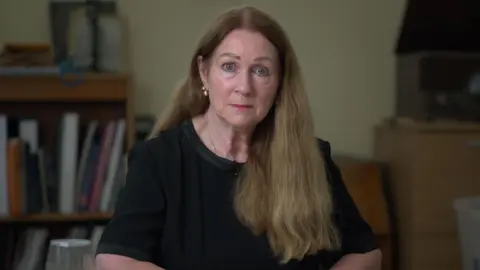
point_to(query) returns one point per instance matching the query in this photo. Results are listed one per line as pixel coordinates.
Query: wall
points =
(345, 49)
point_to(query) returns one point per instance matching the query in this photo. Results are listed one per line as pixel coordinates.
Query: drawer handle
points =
(474, 144)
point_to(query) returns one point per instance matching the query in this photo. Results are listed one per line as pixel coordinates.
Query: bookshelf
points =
(101, 98)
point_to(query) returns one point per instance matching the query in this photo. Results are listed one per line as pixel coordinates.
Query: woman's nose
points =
(244, 83)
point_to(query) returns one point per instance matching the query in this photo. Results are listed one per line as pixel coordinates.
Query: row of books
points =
(82, 172)
(29, 250)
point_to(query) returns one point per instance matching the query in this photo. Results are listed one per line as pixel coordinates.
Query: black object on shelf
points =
(439, 25)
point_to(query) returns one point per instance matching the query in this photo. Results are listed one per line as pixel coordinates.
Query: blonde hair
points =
(283, 191)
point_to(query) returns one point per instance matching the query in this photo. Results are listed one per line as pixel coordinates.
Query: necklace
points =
(212, 143)
(215, 148)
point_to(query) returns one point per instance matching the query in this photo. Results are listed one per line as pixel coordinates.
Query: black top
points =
(176, 211)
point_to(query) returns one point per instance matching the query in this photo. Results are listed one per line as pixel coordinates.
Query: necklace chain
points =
(211, 141)
(214, 147)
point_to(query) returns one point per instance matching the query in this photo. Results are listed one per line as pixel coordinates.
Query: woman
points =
(233, 176)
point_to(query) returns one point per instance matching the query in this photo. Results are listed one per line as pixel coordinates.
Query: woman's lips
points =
(242, 106)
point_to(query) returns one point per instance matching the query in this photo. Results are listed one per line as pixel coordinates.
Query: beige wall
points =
(345, 49)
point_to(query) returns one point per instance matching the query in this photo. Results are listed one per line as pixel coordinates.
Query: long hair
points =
(282, 191)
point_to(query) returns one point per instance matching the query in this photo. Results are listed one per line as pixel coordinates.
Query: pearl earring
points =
(205, 91)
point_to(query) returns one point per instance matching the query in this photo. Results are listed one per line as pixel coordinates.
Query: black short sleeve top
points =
(176, 211)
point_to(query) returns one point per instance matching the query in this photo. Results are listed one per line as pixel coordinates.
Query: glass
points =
(70, 254)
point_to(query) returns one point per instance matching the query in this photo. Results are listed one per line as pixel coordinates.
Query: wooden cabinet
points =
(430, 165)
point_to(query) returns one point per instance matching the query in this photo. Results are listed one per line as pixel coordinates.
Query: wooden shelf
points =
(51, 88)
(55, 217)
(45, 99)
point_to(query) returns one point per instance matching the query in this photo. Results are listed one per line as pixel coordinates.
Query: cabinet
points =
(430, 165)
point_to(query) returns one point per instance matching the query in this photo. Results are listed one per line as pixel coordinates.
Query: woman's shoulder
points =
(163, 144)
(357, 235)
(331, 169)
(326, 151)
(324, 146)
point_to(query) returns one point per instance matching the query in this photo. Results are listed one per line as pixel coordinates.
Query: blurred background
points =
(392, 85)
(346, 49)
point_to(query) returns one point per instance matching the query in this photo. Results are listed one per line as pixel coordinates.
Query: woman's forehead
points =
(245, 43)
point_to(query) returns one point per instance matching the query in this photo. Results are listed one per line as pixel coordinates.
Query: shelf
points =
(55, 217)
(52, 88)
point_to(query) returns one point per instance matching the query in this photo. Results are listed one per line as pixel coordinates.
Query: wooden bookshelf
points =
(94, 96)
(46, 98)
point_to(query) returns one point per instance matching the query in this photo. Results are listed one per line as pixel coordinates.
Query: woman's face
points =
(242, 78)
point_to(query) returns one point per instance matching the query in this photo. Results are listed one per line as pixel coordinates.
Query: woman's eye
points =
(229, 67)
(262, 71)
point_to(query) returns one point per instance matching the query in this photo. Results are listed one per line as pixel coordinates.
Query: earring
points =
(205, 91)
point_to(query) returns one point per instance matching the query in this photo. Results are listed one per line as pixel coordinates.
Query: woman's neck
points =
(223, 139)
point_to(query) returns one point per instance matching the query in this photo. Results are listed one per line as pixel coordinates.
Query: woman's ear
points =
(203, 70)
